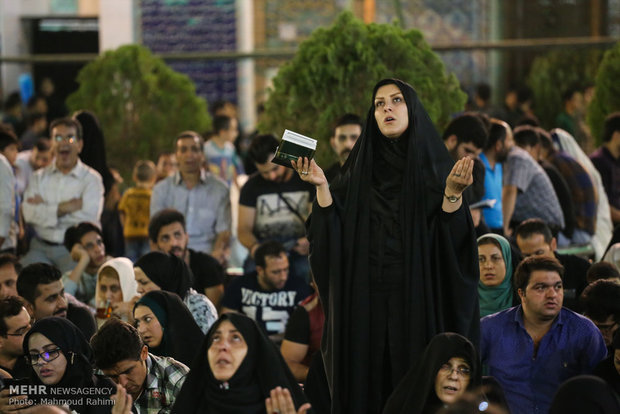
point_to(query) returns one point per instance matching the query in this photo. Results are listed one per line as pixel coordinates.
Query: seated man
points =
(269, 295)
(534, 238)
(85, 242)
(601, 304)
(61, 195)
(9, 268)
(167, 234)
(534, 347)
(41, 287)
(153, 382)
(14, 324)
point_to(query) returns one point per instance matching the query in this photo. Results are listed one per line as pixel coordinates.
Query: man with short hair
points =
(9, 216)
(167, 234)
(61, 195)
(601, 304)
(347, 130)
(40, 285)
(572, 104)
(85, 242)
(273, 205)
(269, 295)
(14, 324)
(534, 347)
(40, 156)
(606, 159)
(153, 382)
(203, 198)
(9, 269)
(533, 238)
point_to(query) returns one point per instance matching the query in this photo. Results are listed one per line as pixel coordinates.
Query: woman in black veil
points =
(393, 250)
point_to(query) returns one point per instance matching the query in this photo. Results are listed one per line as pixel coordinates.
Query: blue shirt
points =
(573, 346)
(492, 191)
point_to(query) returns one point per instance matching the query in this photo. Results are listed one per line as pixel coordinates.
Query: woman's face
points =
(145, 285)
(492, 265)
(452, 380)
(227, 351)
(148, 326)
(109, 286)
(391, 111)
(49, 372)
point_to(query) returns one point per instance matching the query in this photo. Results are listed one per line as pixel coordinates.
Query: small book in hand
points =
(293, 146)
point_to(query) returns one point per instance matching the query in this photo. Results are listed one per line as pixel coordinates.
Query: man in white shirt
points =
(61, 195)
(40, 156)
(8, 217)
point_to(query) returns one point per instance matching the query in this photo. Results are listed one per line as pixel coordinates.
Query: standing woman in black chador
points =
(393, 250)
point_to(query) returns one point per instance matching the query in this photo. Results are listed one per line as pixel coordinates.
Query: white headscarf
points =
(124, 268)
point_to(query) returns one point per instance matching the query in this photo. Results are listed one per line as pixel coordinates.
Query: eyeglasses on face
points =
(68, 138)
(47, 356)
(19, 332)
(462, 371)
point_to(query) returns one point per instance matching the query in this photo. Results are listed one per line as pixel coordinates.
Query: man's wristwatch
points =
(452, 198)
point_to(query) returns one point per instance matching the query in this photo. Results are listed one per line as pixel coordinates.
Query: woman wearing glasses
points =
(448, 367)
(496, 268)
(61, 359)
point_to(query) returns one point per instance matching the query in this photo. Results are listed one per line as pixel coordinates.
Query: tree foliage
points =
(607, 92)
(334, 72)
(141, 103)
(554, 73)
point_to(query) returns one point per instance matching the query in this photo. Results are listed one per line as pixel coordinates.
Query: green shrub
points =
(607, 92)
(334, 72)
(141, 103)
(554, 73)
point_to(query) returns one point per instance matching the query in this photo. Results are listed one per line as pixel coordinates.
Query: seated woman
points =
(166, 326)
(239, 370)
(61, 358)
(495, 287)
(156, 270)
(448, 367)
(116, 290)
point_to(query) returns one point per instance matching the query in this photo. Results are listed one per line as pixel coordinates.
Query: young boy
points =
(220, 152)
(9, 207)
(134, 210)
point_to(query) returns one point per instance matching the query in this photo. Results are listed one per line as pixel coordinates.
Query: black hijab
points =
(76, 349)
(416, 392)
(262, 369)
(585, 394)
(440, 261)
(167, 271)
(182, 335)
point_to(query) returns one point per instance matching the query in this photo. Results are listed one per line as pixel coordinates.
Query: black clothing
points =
(93, 149)
(79, 369)
(262, 369)
(332, 172)
(207, 271)
(167, 271)
(182, 335)
(21, 369)
(428, 264)
(416, 392)
(575, 270)
(83, 318)
(585, 394)
(607, 370)
(475, 192)
(564, 197)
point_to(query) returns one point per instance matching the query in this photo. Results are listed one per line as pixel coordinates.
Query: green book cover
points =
(293, 146)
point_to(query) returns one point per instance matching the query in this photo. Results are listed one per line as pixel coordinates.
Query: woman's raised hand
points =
(460, 177)
(309, 171)
(281, 402)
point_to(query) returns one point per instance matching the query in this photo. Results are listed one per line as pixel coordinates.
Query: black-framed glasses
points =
(463, 372)
(20, 332)
(47, 356)
(69, 138)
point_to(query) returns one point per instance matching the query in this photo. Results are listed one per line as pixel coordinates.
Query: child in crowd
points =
(134, 209)
(220, 152)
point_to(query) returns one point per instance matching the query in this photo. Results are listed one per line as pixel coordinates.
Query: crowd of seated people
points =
(158, 324)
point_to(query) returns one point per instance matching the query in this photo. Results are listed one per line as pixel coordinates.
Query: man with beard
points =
(167, 234)
(495, 153)
(534, 347)
(273, 205)
(61, 195)
(347, 130)
(85, 242)
(41, 287)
